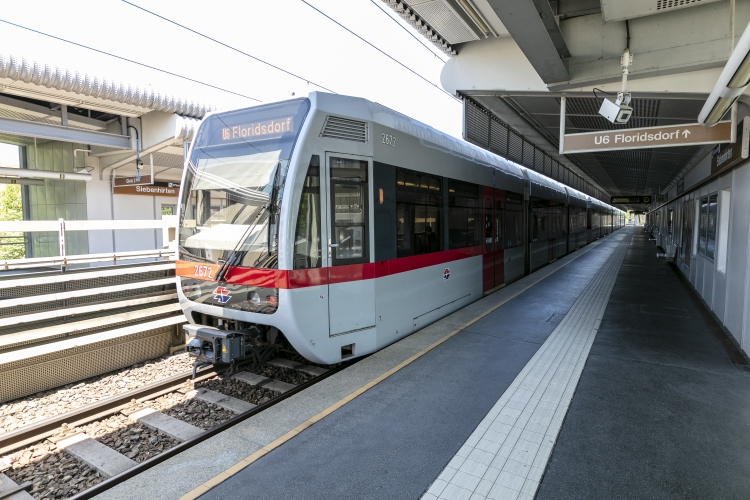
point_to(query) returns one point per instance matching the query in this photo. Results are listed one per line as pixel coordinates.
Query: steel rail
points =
(40, 430)
(185, 445)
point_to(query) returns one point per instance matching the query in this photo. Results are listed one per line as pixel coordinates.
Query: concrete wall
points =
(726, 292)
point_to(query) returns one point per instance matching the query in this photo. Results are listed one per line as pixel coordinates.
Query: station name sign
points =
(158, 188)
(648, 137)
(729, 155)
(630, 199)
(269, 128)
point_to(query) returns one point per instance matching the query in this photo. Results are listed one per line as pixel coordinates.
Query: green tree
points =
(11, 244)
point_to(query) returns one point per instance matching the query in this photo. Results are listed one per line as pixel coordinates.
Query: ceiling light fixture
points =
(732, 82)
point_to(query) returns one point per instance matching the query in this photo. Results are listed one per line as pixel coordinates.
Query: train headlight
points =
(255, 298)
(191, 291)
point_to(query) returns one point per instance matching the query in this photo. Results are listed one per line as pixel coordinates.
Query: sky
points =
(286, 33)
(8, 155)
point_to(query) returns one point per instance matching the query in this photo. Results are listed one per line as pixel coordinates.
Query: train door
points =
(351, 291)
(492, 254)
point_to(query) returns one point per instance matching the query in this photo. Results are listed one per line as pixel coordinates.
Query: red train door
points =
(493, 274)
(499, 252)
(488, 239)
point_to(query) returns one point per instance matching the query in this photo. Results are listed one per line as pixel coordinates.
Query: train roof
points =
(358, 107)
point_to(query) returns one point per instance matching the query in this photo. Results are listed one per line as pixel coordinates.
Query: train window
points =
(419, 203)
(703, 226)
(721, 252)
(307, 250)
(513, 220)
(713, 206)
(349, 199)
(464, 214)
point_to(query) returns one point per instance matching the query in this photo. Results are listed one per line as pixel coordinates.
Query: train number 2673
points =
(389, 140)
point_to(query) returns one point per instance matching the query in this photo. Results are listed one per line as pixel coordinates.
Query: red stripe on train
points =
(301, 278)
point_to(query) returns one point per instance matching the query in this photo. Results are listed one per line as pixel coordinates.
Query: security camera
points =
(616, 111)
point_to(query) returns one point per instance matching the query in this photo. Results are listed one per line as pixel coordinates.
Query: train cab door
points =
(492, 255)
(351, 290)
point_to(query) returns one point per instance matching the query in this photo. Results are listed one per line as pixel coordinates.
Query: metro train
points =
(333, 226)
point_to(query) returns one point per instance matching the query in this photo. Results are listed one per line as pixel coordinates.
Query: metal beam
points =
(532, 25)
(66, 134)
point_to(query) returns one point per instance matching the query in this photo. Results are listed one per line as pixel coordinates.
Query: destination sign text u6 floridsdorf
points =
(648, 137)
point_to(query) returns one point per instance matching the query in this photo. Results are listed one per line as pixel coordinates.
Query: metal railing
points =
(167, 225)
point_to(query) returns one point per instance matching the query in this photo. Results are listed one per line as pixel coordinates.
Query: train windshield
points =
(232, 193)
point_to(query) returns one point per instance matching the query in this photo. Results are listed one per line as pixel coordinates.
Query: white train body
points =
(398, 251)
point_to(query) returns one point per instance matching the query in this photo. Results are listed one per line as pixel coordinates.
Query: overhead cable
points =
(227, 45)
(130, 60)
(380, 50)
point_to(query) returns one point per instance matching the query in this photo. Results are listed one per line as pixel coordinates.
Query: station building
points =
(93, 134)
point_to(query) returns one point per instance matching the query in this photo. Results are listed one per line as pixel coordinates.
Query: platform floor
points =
(659, 411)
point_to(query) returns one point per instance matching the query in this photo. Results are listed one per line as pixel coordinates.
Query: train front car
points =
(230, 204)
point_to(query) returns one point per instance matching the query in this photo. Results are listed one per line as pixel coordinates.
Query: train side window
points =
(419, 201)
(513, 220)
(703, 226)
(307, 245)
(713, 206)
(464, 214)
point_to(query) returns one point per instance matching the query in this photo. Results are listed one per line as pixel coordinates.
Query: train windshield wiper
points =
(184, 251)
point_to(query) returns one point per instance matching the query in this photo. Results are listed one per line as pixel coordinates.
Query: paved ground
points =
(394, 440)
(660, 411)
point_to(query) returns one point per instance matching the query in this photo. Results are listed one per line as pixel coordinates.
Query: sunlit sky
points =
(286, 33)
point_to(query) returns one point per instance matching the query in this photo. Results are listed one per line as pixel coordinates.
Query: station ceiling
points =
(517, 58)
(628, 172)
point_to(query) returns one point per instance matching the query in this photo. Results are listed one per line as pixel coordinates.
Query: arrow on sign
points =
(686, 133)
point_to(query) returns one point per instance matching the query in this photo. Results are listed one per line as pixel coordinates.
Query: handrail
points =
(167, 224)
(65, 261)
(37, 226)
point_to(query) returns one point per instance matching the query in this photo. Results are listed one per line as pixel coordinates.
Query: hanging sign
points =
(158, 188)
(648, 137)
(630, 199)
(729, 155)
(132, 181)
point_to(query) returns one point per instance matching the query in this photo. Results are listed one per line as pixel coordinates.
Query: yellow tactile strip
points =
(221, 477)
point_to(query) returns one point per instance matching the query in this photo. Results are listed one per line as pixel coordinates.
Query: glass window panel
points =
(419, 205)
(307, 244)
(703, 225)
(721, 257)
(711, 229)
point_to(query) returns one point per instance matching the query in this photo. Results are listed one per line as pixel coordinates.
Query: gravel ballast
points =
(55, 474)
(21, 412)
(237, 389)
(135, 441)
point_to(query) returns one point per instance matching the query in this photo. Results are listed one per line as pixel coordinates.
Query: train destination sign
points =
(647, 137)
(630, 199)
(266, 128)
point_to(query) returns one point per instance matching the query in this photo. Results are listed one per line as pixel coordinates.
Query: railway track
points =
(85, 451)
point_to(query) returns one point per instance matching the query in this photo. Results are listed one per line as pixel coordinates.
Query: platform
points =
(597, 376)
